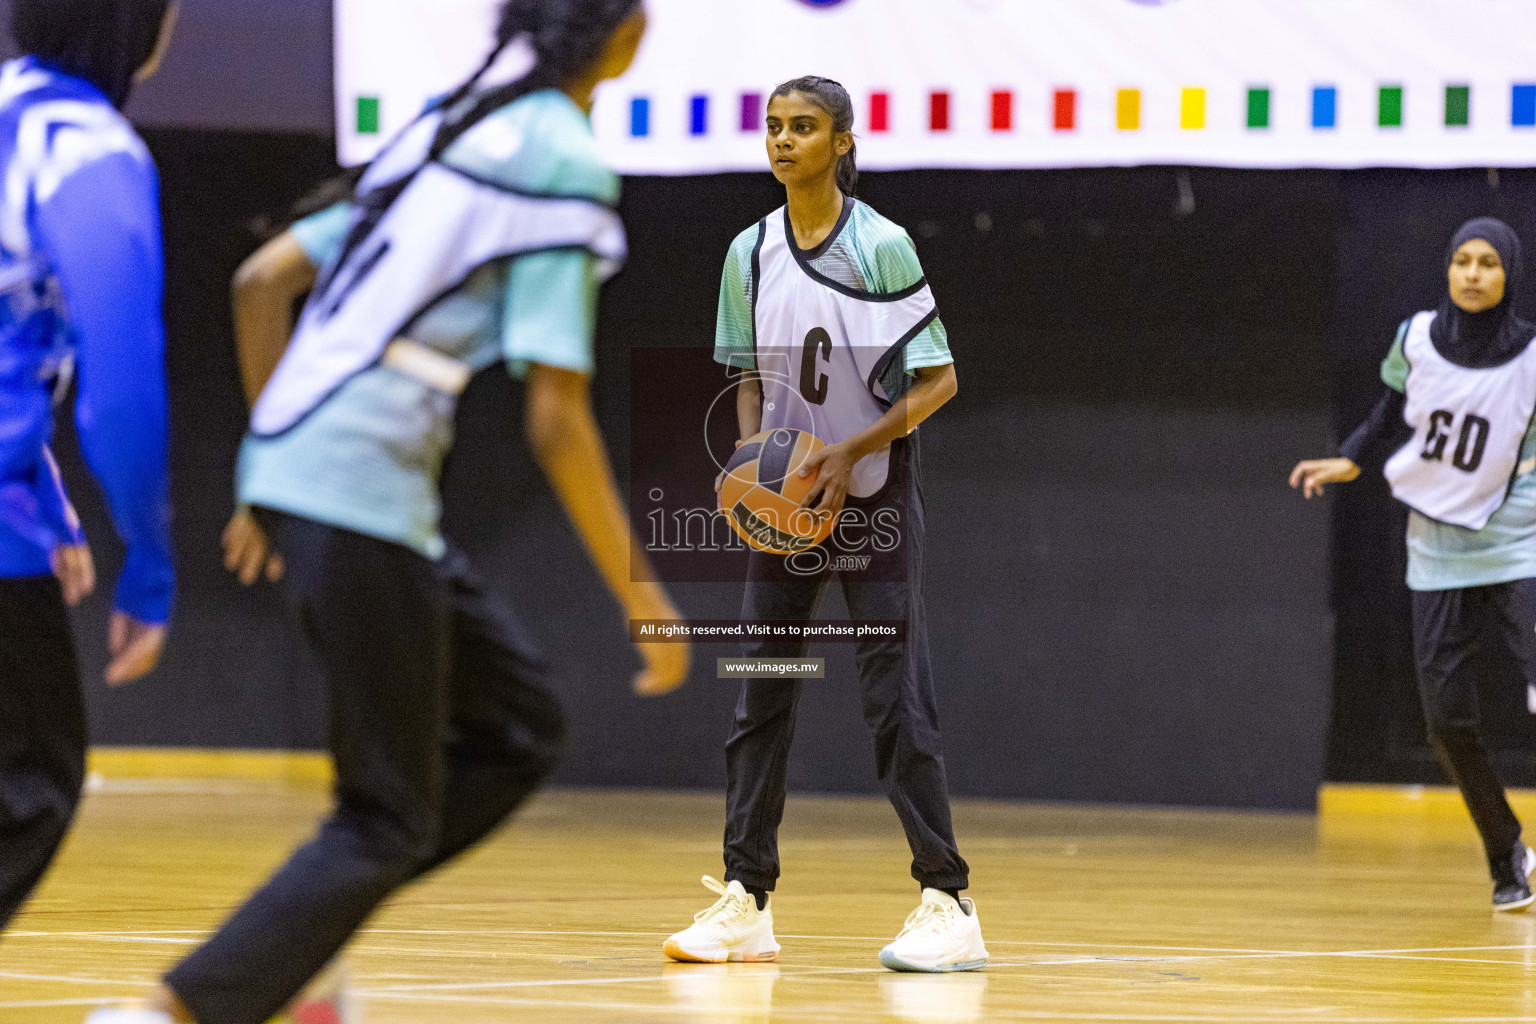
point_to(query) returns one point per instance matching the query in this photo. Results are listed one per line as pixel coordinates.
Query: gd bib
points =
(1468, 428)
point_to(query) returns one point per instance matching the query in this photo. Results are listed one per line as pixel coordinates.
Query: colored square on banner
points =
(1128, 110)
(1458, 106)
(1002, 111)
(367, 115)
(1064, 110)
(639, 117)
(1389, 107)
(880, 112)
(1192, 109)
(1325, 107)
(938, 111)
(698, 115)
(751, 111)
(1258, 108)
(1522, 108)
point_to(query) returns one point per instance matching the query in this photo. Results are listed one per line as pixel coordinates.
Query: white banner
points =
(1014, 83)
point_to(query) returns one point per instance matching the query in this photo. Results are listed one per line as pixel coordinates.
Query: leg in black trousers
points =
(505, 729)
(757, 753)
(438, 730)
(42, 734)
(900, 708)
(1447, 626)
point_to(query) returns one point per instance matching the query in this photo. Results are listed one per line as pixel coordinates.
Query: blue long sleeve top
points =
(81, 288)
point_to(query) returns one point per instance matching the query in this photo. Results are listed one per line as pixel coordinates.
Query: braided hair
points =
(567, 37)
(831, 97)
(105, 42)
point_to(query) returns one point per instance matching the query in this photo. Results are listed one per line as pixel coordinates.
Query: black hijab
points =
(1494, 336)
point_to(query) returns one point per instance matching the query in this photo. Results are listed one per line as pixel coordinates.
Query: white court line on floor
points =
(571, 982)
(72, 980)
(99, 933)
(675, 1007)
(863, 1013)
(36, 1003)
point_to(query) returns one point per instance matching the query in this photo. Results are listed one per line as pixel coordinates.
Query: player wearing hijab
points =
(1455, 436)
(825, 309)
(479, 236)
(81, 280)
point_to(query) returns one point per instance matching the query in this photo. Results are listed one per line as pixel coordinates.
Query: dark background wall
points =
(1126, 602)
(251, 65)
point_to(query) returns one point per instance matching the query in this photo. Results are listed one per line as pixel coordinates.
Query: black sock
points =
(953, 894)
(759, 894)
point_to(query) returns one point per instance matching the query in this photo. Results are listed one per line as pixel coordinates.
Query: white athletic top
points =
(821, 347)
(1468, 428)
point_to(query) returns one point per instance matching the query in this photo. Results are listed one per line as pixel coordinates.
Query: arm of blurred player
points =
(113, 277)
(565, 440)
(264, 291)
(263, 294)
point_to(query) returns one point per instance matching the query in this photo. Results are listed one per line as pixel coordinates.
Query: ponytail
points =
(831, 97)
(566, 36)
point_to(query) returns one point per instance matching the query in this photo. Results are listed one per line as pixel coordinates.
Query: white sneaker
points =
(126, 1015)
(732, 929)
(940, 935)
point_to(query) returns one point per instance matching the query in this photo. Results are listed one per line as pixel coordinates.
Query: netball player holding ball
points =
(825, 311)
(1455, 435)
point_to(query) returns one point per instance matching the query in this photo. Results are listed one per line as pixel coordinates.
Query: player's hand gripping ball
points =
(762, 491)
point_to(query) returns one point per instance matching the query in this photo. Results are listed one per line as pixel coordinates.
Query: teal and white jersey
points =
(1445, 557)
(368, 456)
(865, 252)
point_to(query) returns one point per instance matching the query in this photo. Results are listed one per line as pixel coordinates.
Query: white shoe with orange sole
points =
(733, 929)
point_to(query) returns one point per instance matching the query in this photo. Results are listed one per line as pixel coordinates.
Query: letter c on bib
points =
(812, 387)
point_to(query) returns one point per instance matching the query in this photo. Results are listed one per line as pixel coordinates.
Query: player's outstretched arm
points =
(564, 437)
(934, 386)
(1311, 474)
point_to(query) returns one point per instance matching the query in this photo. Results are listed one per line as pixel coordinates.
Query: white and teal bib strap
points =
(1468, 429)
(418, 234)
(821, 347)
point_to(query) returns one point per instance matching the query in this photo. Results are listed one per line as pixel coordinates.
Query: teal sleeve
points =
(1394, 368)
(733, 325)
(321, 235)
(551, 311)
(897, 267)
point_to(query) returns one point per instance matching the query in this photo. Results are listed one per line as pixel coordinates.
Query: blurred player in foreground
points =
(825, 308)
(480, 235)
(81, 281)
(1455, 434)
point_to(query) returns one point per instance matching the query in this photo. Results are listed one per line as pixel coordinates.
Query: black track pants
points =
(441, 725)
(42, 734)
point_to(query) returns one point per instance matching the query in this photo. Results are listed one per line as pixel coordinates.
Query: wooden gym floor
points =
(1090, 914)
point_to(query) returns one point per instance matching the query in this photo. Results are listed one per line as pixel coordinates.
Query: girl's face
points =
(1477, 277)
(802, 147)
